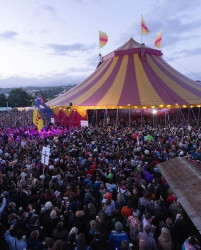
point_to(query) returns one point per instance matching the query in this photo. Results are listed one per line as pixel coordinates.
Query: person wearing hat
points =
(108, 204)
(127, 210)
(117, 236)
(134, 225)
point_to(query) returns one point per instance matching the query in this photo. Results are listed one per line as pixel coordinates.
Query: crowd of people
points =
(101, 189)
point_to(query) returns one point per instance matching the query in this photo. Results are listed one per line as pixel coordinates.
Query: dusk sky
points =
(56, 42)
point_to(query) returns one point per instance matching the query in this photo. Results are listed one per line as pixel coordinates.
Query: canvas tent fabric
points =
(69, 117)
(133, 76)
(184, 178)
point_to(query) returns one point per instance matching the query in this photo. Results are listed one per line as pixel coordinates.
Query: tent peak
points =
(132, 47)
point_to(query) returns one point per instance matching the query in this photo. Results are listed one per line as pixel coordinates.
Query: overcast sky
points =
(56, 41)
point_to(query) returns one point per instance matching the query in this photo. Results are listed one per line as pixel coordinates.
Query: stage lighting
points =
(154, 111)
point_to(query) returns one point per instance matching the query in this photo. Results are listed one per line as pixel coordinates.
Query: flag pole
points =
(99, 45)
(161, 41)
(141, 28)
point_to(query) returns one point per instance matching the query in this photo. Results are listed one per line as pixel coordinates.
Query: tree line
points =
(17, 98)
(20, 98)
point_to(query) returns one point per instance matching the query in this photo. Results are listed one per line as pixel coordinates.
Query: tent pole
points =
(141, 117)
(188, 116)
(165, 118)
(71, 119)
(96, 118)
(199, 116)
(92, 120)
(129, 118)
(153, 120)
(63, 118)
(117, 118)
(195, 117)
(176, 118)
(168, 119)
(105, 117)
(183, 116)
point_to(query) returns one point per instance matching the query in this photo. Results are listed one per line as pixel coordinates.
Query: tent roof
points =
(184, 178)
(133, 76)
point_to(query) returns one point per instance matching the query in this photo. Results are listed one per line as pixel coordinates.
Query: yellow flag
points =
(158, 40)
(37, 119)
(103, 39)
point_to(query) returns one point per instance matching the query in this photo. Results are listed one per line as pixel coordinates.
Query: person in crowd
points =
(147, 236)
(134, 225)
(16, 242)
(117, 236)
(33, 242)
(96, 177)
(191, 244)
(165, 240)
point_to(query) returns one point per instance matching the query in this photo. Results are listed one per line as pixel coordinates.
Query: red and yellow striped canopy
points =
(133, 76)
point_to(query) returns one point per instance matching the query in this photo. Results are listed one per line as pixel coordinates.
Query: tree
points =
(3, 100)
(19, 98)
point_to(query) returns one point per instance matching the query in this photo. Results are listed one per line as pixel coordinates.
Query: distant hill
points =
(48, 93)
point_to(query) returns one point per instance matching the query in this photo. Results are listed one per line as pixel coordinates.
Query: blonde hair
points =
(93, 224)
(53, 214)
(165, 233)
(74, 230)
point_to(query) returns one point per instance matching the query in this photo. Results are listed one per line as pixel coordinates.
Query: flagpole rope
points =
(183, 68)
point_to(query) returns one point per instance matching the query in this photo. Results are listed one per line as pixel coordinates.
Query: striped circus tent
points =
(132, 76)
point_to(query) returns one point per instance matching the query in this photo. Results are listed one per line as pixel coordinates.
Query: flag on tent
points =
(40, 105)
(144, 29)
(37, 120)
(103, 39)
(158, 40)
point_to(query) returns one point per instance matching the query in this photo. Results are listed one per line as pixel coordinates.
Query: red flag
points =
(158, 40)
(103, 39)
(144, 29)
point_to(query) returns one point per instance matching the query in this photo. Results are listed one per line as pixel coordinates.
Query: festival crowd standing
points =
(101, 189)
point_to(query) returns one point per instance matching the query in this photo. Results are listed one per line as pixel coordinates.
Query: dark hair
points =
(71, 237)
(34, 235)
(192, 240)
(147, 229)
(58, 245)
(148, 216)
(49, 242)
(19, 234)
(81, 239)
(124, 245)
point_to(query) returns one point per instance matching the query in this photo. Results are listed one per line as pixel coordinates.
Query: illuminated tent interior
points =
(131, 77)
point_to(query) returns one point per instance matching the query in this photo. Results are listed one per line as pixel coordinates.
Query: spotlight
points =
(154, 111)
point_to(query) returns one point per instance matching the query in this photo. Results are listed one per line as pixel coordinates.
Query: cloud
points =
(79, 70)
(9, 35)
(49, 9)
(63, 49)
(61, 79)
(93, 61)
(45, 9)
(192, 52)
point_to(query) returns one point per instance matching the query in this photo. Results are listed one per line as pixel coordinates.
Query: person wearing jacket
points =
(33, 242)
(15, 242)
(3, 204)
